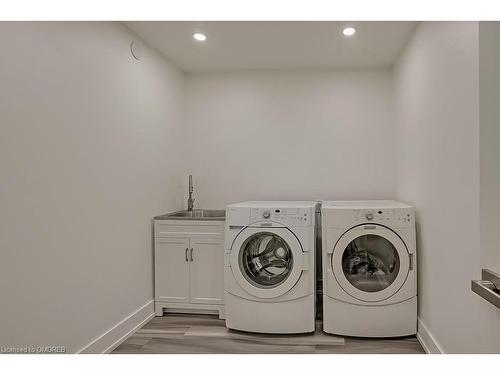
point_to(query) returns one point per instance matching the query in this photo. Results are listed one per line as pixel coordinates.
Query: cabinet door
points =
(207, 271)
(172, 270)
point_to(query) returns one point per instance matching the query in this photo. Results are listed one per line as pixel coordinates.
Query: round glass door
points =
(265, 260)
(370, 263)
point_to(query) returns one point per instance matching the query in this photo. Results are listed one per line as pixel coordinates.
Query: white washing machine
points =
(369, 268)
(269, 274)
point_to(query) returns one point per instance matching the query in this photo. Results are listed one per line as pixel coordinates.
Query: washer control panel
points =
(285, 216)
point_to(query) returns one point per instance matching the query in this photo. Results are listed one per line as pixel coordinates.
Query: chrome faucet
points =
(190, 199)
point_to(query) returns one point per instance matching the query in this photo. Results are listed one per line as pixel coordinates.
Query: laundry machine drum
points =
(265, 260)
(370, 263)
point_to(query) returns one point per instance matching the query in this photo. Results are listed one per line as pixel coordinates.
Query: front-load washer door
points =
(370, 262)
(267, 262)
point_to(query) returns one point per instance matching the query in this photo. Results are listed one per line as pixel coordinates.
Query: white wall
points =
(438, 172)
(278, 135)
(88, 154)
(489, 95)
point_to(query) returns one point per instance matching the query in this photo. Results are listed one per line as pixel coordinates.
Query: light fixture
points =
(348, 31)
(200, 37)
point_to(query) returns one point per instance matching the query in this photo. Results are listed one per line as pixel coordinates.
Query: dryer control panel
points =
(286, 216)
(388, 217)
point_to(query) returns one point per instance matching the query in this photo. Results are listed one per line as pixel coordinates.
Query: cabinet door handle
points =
(187, 254)
(191, 254)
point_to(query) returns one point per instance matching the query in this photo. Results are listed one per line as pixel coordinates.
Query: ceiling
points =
(275, 45)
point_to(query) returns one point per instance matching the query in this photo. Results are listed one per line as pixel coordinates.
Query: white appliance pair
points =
(369, 267)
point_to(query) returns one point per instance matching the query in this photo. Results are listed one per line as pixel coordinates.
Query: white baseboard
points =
(426, 339)
(113, 337)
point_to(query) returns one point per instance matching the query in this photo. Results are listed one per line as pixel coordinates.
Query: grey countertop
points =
(201, 215)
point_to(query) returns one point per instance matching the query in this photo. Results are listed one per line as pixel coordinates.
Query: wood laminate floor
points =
(197, 334)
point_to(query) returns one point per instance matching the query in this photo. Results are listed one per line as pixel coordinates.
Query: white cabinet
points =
(172, 270)
(189, 266)
(207, 286)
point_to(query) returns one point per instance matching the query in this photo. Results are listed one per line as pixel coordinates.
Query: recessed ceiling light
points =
(348, 31)
(200, 37)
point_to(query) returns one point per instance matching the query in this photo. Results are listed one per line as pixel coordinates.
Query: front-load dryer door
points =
(370, 262)
(267, 262)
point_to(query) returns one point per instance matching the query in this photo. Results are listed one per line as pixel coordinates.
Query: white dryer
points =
(269, 267)
(369, 268)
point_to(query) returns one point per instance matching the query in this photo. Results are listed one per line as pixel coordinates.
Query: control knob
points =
(266, 214)
(369, 216)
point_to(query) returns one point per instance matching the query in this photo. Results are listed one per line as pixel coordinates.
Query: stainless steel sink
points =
(194, 215)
